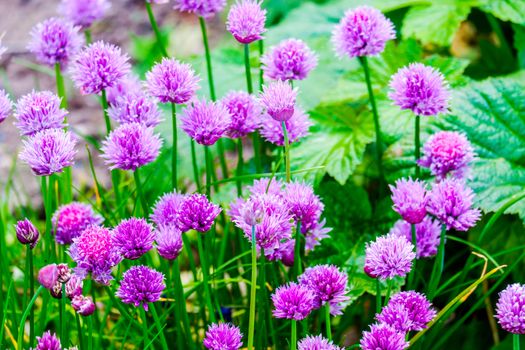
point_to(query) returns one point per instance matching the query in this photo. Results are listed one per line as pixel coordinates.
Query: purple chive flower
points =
(245, 113)
(55, 40)
(260, 186)
(410, 200)
(74, 286)
(362, 31)
(420, 88)
(141, 285)
(246, 21)
(223, 336)
(133, 238)
(293, 301)
(26, 233)
(171, 81)
(328, 284)
(131, 146)
(451, 202)
(316, 234)
(48, 276)
(84, 12)
(169, 241)
(383, 337)
(202, 8)
(311, 342)
(49, 151)
(291, 59)
(128, 85)
(389, 256)
(510, 309)
(39, 111)
(284, 253)
(167, 209)
(396, 316)
(416, 305)
(95, 252)
(71, 219)
(197, 213)
(6, 105)
(99, 66)
(205, 122)
(447, 152)
(304, 205)
(84, 306)
(296, 127)
(135, 108)
(428, 234)
(48, 341)
(278, 99)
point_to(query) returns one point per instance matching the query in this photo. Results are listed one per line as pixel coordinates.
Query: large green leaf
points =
(506, 10)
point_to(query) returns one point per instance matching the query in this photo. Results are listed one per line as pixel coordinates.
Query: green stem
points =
(413, 270)
(46, 193)
(208, 58)
(87, 34)
(155, 28)
(253, 290)
(194, 164)
(417, 145)
(437, 270)
(247, 68)
(515, 342)
(79, 332)
(205, 278)
(61, 90)
(30, 275)
(104, 102)
(240, 163)
(379, 303)
(261, 72)
(90, 332)
(207, 160)
(144, 326)
(24, 318)
(328, 325)
(293, 343)
(297, 251)
(140, 193)
(64, 329)
(174, 150)
(256, 143)
(388, 290)
(159, 327)
(181, 315)
(286, 152)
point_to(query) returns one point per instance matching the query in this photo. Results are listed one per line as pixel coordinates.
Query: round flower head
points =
(169, 241)
(84, 12)
(128, 85)
(6, 105)
(451, 202)
(48, 341)
(447, 152)
(172, 81)
(362, 31)
(419, 309)
(304, 205)
(396, 316)
(428, 234)
(223, 336)
(316, 343)
(293, 301)
(197, 213)
(246, 21)
(205, 122)
(135, 108)
(26, 233)
(410, 200)
(167, 209)
(133, 238)
(94, 252)
(48, 276)
(202, 8)
(389, 256)
(39, 111)
(55, 40)
(296, 127)
(245, 113)
(420, 88)
(328, 284)
(141, 285)
(71, 219)
(266, 185)
(510, 309)
(49, 151)
(99, 66)
(131, 146)
(74, 286)
(84, 306)
(291, 59)
(383, 337)
(278, 99)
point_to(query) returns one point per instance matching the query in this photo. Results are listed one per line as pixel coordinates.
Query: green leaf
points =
(506, 10)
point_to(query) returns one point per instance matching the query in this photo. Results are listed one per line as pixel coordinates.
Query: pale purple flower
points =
(99, 66)
(410, 199)
(84, 12)
(141, 285)
(6, 105)
(27, 233)
(291, 59)
(419, 309)
(396, 316)
(311, 342)
(172, 81)
(205, 122)
(55, 40)
(169, 241)
(293, 301)
(49, 151)
(167, 209)
(422, 89)
(317, 233)
(451, 202)
(135, 108)
(304, 205)
(128, 85)
(296, 127)
(131, 146)
(389, 256)
(428, 234)
(197, 213)
(83, 305)
(510, 309)
(362, 31)
(74, 286)
(133, 238)
(222, 336)
(266, 185)
(48, 341)
(383, 337)
(202, 8)
(39, 111)
(69, 220)
(246, 21)
(245, 112)
(278, 99)
(284, 252)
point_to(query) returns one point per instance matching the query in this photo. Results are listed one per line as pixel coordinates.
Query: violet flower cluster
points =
(48, 341)
(246, 21)
(53, 276)
(510, 308)
(205, 122)
(389, 256)
(141, 285)
(293, 301)
(27, 233)
(39, 111)
(316, 343)
(428, 234)
(84, 12)
(202, 8)
(69, 220)
(291, 59)
(133, 238)
(222, 336)
(135, 107)
(172, 81)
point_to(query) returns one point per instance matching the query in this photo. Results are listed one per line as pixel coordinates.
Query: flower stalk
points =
(253, 291)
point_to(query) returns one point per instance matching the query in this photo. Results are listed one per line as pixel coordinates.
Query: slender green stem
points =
(79, 332)
(140, 192)
(181, 315)
(194, 164)
(256, 143)
(248, 71)
(64, 329)
(297, 266)
(90, 332)
(286, 152)
(417, 145)
(87, 35)
(327, 318)
(30, 274)
(144, 326)
(253, 290)
(379, 302)
(388, 290)
(155, 28)
(104, 102)
(46, 193)
(205, 278)
(261, 72)
(207, 160)
(211, 84)
(293, 343)
(515, 342)
(240, 164)
(413, 270)
(24, 318)
(437, 270)
(174, 150)
(61, 90)
(159, 327)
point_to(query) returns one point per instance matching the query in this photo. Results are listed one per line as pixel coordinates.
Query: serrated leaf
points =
(506, 10)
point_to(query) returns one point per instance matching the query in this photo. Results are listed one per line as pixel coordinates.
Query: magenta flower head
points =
(49, 151)
(223, 336)
(128, 85)
(55, 40)
(420, 88)
(84, 12)
(74, 286)
(141, 285)
(447, 152)
(133, 238)
(245, 113)
(167, 209)
(84, 306)
(197, 213)
(205, 122)
(95, 253)
(293, 301)
(26, 233)
(451, 202)
(6, 105)
(71, 219)
(169, 241)
(291, 59)
(410, 200)
(328, 284)
(48, 341)
(172, 81)
(99, 66)
(416, 305)
(304, 205)
(39, 111)
(131, 146)
(428, 234)
(135, 108)
(316, 343)
(510, 309)
(48, 276)
(297, 127)
(267, 186)
(202, 8)
(383, 337)
(246, 21)
(278, 99)
(389, 256)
